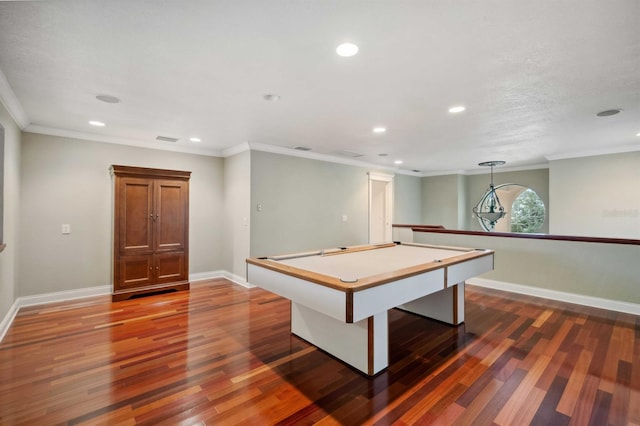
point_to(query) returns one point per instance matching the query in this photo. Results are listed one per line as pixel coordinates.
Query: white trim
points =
(163, 146)
(8, 319)
(209, 275)
(11, 103)
(388, 204)
(103, 290)
(481, 171)
(380, 176)
(63, 296)
(256, 146)
(237, 149)
(40, 299)
(594, 152)
(236, 279)
(561, 296)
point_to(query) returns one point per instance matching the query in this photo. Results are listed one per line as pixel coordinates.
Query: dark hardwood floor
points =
(222, 354)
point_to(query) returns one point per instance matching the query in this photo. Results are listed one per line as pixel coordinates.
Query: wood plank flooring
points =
(223, 355)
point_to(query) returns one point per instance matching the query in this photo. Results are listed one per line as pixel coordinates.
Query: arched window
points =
(525, 210)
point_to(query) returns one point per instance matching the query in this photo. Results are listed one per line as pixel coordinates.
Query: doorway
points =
(380, 208)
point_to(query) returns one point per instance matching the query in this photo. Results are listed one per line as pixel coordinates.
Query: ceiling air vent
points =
(166, 139)
(349, 154)
(302, 148)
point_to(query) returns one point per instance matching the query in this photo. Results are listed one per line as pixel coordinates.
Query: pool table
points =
(340, 297)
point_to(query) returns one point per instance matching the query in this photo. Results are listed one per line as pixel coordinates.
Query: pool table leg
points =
(445, 305)
(364, 344)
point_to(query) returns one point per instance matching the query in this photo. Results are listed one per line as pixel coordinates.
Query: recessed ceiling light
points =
(97, 123)
(638, 134)
(272, 97)
(108, 99)
(195, 140)
(347, 49)
(456, 109)
(608, 112)
(379, 129)
(397, 162)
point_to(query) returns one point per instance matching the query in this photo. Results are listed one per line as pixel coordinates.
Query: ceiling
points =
(531, 74)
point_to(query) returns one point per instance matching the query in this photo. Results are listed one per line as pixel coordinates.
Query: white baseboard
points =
(40, 299)
(209, 275)
(8, 319)
(61, 296)
(237, 279)
(561, 296)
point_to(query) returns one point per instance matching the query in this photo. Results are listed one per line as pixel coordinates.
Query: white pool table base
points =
(364, 344)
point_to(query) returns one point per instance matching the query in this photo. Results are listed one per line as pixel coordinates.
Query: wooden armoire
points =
(151, 231)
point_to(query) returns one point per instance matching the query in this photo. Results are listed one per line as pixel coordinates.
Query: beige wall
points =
(303, 202)
(9, 256)
(441, 200)
(67, 181)
(607, 271)
(596, 196)
(237, 206)
(407, 203)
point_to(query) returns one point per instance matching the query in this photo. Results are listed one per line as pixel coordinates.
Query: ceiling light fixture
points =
(195, 139)
(108, 99)
(347, 49)
(379, 129)
(397, 162)
(96, 123)
(489, 210)
(456, 109)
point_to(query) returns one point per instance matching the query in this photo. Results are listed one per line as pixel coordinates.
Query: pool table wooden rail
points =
(364, 283)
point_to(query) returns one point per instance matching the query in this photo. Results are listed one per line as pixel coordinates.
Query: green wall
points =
(303, 201)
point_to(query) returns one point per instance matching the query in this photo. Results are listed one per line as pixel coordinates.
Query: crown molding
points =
(501, 169)
(11, 103)
(234, 150)
(256, 146)
(164, 146)
(595, 152)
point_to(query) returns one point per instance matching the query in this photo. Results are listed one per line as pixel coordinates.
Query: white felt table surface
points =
(360, 264)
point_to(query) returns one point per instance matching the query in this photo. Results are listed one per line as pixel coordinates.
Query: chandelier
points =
(489, 210)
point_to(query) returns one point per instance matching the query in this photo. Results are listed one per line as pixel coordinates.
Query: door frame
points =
(388, 204)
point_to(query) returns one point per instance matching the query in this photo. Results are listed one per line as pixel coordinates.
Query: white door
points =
(380, 208)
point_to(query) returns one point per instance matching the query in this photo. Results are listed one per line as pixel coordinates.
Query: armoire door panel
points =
(170, 267)
(170, 215)
(136, 271)
(136, 215)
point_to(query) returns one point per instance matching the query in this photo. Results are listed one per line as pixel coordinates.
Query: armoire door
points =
(170, 215)
(136, 216)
